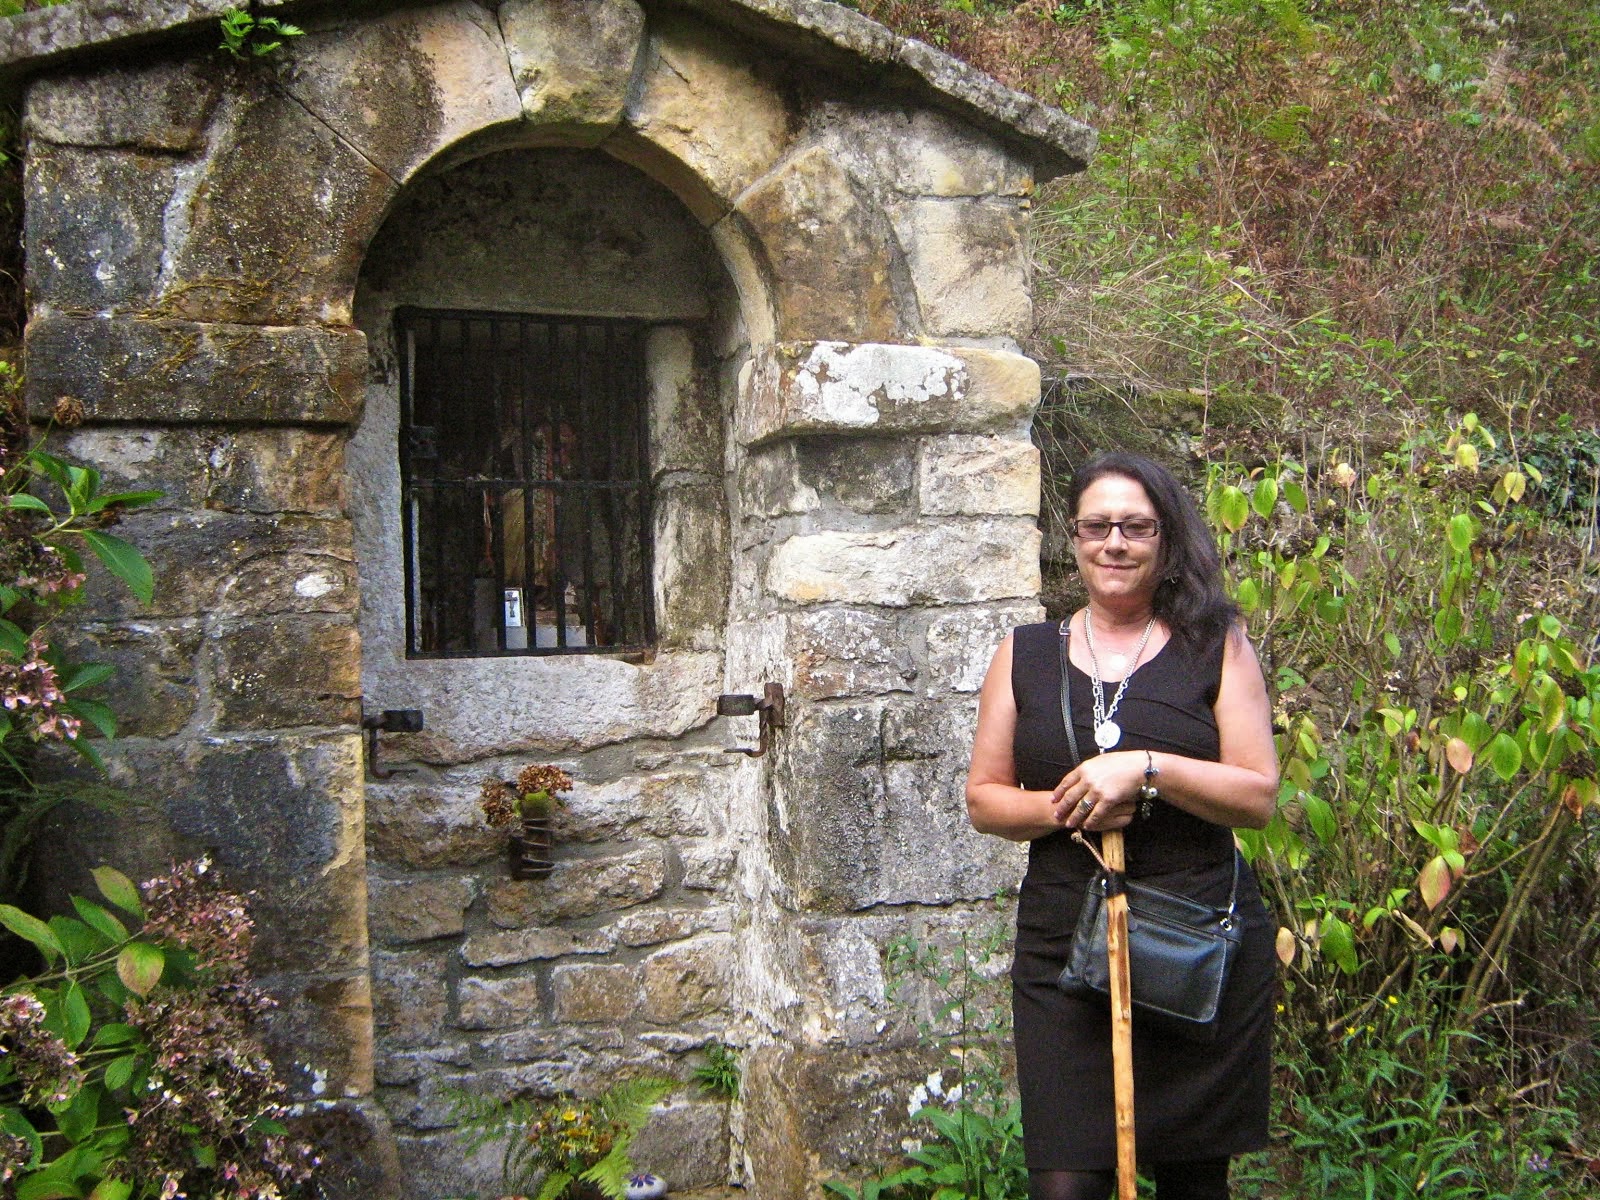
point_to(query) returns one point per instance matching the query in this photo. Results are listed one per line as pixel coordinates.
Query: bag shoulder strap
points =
(1066, 693)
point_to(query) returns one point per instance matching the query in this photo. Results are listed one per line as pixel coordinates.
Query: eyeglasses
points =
(1135, 529)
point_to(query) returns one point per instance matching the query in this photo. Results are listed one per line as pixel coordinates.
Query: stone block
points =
(426, 826)
(287, 671)
(516, 946)
(962, 642)
(410, 998)
(271, 470)
(417, 910)
(492, 706)
(685, 412)
(685, 1142)
(355, 1148)
(672, 803)
(917, 152)
(403, 1068)
(691, 556)
(841, 961)
(222, 564)
(320, 1034)
(707, 867)
(573, 62)
(651, 927)
(180, 372)
(969, 265)
(701, 102)
(156, 688)
(443, 66)
(268, 155)
(811, 388)
(688, 980)
(438, 1164)
(951, 562)
(770, 483)
(848, 292)
(848, 652)
(579, 888)
(868, 809)
(282, 821)
(972, 475)
(498, 1003)
(590, 993)
(862, 474)
(160, 106)
(94, 227)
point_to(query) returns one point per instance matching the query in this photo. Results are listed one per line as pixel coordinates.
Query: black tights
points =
(1202, 1179)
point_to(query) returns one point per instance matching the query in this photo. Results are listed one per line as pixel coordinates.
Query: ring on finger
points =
(1086, 804)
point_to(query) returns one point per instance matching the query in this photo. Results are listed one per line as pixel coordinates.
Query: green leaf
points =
(76, 1007)
(1392, 645)
(53, 1183)
(123, 561)
(1248, 595)
(1323, 823)
(1233, 508)
(115, 1033)
(1296, 496)
(118, 888)
(99, 919)
(1338, 944)
(126, 499)
(111, 1189)
(13, 641)
(139, 966)
(1433, 882)
(29, 503)
(13, 1122)
(97, 714)
(78, 941)
(31, 929)
(86, 675)
(1265, 498)
(1460, 532)
(1505, 756)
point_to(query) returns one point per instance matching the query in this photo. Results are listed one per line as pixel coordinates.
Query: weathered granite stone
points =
(962, 642)
(426, 826)
(770, 484)
(282, 470)
(918, 152)
(409, 998)
(509, 948)
(182, 372)
(969, 264)
(664, 804)
(573, 62)
(842, 963)
(706, 867)
(320, 1034)
(156, 688)
(482, 706)
(848, 652)
(687, 980)
(588, 993)
(287, 671)
(691, 555)
(685, 412)
(967, 475)
(866, 475)
(835, 387)
(702, 103)
(403, 1068)
(442, 65)
(844, 293)
(953, 562)
(685, 1142)
(93, 225)
(869, 810)
(651, 927)
(438, 1164)
(268, 154)
(851, 1121)
(498, 1003)
(417, 910)
(579, 888)
(161, 106)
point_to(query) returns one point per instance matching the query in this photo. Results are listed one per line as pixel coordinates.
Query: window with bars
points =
(525, 484)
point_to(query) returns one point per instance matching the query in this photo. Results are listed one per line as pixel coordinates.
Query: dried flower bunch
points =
(537, 786)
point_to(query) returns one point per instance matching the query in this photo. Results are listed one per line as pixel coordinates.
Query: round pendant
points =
(1107, 734)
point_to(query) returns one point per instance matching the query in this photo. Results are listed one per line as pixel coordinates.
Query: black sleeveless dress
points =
(1191, 1101)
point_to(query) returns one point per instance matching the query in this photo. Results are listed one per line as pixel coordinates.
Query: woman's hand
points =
(1102, 793)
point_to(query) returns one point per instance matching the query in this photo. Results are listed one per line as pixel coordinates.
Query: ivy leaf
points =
(118, 888)
(123, 561)
(139, 966)
(1433, 882)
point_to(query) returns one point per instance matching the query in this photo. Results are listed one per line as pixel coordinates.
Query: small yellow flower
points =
(569, 1115)
(1391, 1001)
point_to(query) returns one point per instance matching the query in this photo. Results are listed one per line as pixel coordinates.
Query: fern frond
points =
(555, 1184)
(629, 1103)
(611, 1173)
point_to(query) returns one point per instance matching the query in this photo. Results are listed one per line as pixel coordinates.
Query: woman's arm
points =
(1239, 790)
(995, 804)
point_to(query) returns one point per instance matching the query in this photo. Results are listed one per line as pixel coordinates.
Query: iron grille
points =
(525, 484)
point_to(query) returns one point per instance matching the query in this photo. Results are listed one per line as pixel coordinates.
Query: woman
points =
(1166, 692)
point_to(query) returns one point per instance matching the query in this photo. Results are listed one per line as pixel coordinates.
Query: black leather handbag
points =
(1180, 952)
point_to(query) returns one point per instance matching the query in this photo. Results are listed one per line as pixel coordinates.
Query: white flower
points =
(935, 1084)
(919, 1100)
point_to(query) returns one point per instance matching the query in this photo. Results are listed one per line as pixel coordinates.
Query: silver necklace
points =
(1107, 733)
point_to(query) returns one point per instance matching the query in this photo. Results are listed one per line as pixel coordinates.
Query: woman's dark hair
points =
(1190, 597)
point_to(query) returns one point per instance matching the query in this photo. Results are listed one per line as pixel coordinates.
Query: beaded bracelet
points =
(1148, 794)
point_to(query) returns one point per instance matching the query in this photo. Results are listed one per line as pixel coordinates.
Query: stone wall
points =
(832, 251)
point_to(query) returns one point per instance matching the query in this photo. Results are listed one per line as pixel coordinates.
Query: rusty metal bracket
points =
(771, 710)
(391, 720)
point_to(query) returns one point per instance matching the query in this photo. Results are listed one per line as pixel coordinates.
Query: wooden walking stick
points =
(1121, 1014)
